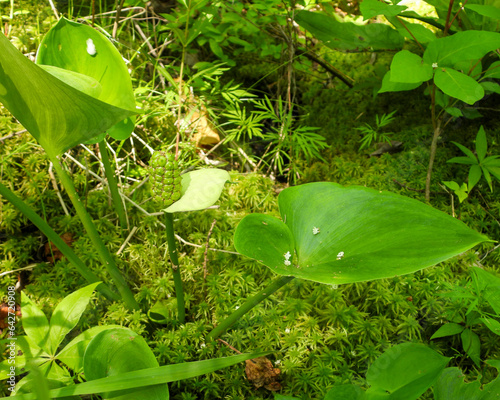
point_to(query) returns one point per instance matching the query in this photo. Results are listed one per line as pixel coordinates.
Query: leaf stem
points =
(99, 246)
(58, 242)
(248, 305)
(172, 249)
(113, 187)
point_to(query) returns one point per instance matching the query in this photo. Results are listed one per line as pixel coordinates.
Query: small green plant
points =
(336, 235)
(88, 93)
(478, 304)
(451, 66)
(109, 356)
(373, 135)
(41, 345)
(407, 371)
(480, 166)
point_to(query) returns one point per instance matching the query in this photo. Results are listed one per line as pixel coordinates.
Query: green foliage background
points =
(320, 335)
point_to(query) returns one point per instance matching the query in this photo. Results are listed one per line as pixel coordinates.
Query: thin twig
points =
(117, 18)
(11, 135)
(56, 189)
(31, 266)
(231, 347)
(132, 232)
(415, 190)
(205, 256)
(54, 9)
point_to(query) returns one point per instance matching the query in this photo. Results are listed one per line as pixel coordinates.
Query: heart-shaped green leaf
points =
(80, 48)
(73, 352)
(119, 350)
(267, 240)
(56, 114)
(405, 371)
(458, 85)
(200, 189)
(407, 67)
(352, 234)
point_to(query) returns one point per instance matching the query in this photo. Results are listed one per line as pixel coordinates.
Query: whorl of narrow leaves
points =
(165, 178)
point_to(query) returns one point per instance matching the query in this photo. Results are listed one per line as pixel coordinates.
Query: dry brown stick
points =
(415, 190)
(231, 347)
(11, 135)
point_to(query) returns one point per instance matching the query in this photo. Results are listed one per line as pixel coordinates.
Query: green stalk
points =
(113, 187)
(58, 242)
(172, 249)
(104, 254)
(249, 304)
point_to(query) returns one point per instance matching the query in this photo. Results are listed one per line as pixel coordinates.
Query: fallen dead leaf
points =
(261, 372)
(52, 253)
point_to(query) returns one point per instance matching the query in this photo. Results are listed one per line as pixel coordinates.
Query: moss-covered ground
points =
(319, 335)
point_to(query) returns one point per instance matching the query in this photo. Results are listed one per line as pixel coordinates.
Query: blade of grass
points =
(248, 305)
(99, 245)
(172, 249)
(58, 242)
(113, 187)
(145, 377)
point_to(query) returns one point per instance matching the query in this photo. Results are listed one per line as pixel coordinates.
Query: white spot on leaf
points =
(91, 47)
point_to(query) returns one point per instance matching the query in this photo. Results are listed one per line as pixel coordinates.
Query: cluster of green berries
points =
(165, 177)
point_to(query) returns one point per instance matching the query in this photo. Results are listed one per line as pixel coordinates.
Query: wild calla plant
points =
(335, 235)
(192, 191)
(60, 116)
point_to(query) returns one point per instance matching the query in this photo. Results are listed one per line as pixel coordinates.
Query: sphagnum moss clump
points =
(165, 178)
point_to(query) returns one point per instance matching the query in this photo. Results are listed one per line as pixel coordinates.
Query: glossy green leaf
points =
(56, 114)
(491, 87)
(267, 240)
(475, 174)
(67, 314)
(473, 68)
(490, 286)
(389, 86)
(73, 352)
(117, 351)
(467, 152)
(481, 144)
(451, 386)
(471, 345)
(493, 71)
(458, 85)
(412, 31)
(485, 10)
(83, 83)
(492, 324)
(407, 67)
(35, 323)
(454, 112)
(448, 329)
(462, 160)
(200, 189)
(69, 45)
(466, 45)
(146, 377)
(372, 8)
(351, 234)
(349, 36)
(406, 371)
